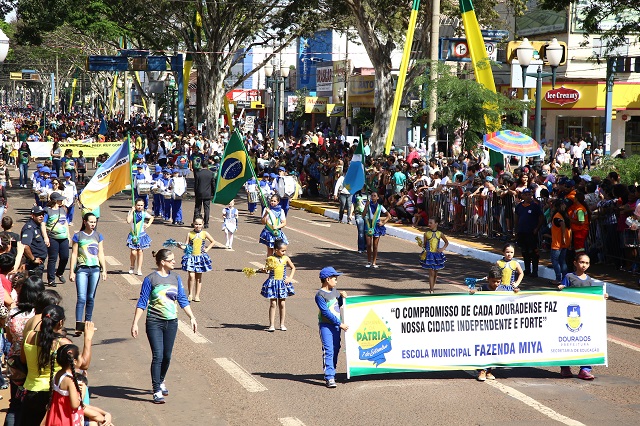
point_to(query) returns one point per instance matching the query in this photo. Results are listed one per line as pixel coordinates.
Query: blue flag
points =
(103, 126)
(354, 179)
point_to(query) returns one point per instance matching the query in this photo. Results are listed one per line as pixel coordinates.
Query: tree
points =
(593, 14)
(217, 34)
(382, 26)
(464, 105)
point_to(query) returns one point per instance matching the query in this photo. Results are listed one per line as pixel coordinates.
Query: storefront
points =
(577, 110)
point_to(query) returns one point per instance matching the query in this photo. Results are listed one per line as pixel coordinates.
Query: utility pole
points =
(432, 137)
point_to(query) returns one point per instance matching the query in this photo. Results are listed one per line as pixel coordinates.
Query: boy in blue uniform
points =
(329, 301)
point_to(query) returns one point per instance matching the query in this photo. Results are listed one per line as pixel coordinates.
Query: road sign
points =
(457, 49)
(15, 76)
(495, 34)
(249, 123)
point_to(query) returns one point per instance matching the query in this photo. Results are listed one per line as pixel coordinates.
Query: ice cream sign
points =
(562, 96)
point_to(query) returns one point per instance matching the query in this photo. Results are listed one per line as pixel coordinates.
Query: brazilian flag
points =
(234, 170)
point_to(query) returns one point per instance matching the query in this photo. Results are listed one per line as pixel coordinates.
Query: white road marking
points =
(244, 239)
(320, 238)
(313, 222)
(624, 343)
(112, 261)
(118, 217)
(257, 264)
(194, 337)
(131, 279)
(256, 254)
(240, 375)
(533, 403)
(290, 421)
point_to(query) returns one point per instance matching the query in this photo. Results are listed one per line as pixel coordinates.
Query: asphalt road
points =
(234, 372)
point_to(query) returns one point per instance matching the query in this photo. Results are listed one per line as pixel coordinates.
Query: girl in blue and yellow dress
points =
(273, 219)
(512, 273)
(432, 257)
(196, 260)
(138, 239)
(375, 217)
(278, 286)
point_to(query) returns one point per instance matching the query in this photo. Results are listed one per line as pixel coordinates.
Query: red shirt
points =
(6, 284)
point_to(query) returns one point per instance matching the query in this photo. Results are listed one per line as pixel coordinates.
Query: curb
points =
(615, 291)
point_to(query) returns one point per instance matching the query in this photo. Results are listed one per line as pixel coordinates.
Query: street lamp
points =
(278, 84)
(554, 56)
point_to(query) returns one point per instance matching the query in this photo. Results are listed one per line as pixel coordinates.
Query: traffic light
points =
(538, 46)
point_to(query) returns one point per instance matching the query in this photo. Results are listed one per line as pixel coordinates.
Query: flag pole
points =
(133, 195)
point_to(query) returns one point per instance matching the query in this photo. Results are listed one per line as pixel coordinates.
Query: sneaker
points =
(52, 284)
(158, 398)
(482, 376)
(283, 328)
(585, 375)
(331, 383)
(566, 373)
(368, 265)
(61, 279)
(490, 376)
(271, 329)
(164, 390)
(374, 266)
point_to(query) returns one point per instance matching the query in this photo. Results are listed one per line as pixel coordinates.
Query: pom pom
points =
(249, 272)
(270, 264)
(420, 242)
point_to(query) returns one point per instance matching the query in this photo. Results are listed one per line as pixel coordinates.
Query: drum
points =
(144, 188)
(253, 197)
(43, 196)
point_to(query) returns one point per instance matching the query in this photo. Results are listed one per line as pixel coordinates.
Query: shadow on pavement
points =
(260, 327)
(624, 322)
(111, 341)
(310, 379)
(120, 392)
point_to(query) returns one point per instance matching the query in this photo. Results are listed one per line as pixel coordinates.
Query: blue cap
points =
(54, 174)
(489, 178)
(39, 165)
(175, 171)
(45, 170)
(273, 175)
(166, 170)
(140, 166)
(282, 169)
(158, 169)
(328, 272)
(140, 156)
(67, 174)
(526, 191)
(265, 175)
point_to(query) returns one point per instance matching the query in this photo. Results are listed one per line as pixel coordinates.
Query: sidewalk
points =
(620, 285)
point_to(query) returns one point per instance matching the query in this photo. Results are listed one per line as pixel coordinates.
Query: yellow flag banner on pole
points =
(73, 92)
(478, 53)
(112, 177)
(404, 66)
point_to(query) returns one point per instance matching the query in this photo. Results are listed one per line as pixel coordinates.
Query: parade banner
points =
(397, 333)
(89, 148)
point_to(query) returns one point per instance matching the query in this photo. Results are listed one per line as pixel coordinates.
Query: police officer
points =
(35, 248)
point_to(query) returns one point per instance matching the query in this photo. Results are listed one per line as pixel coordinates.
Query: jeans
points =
(34, 407)
(87, 278)
(56, 163)
(24, 173)
(161, 335)
(15, 407)
(57, 248)
(284, 203)
(330, 337)
(70, 211)
(362, 242)
(202, 204)
(345, 203)
(558, 262)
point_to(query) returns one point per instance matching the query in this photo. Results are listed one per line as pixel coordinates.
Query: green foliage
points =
(364, 120)
(593, 13)
(464, 106)
(628, 169)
